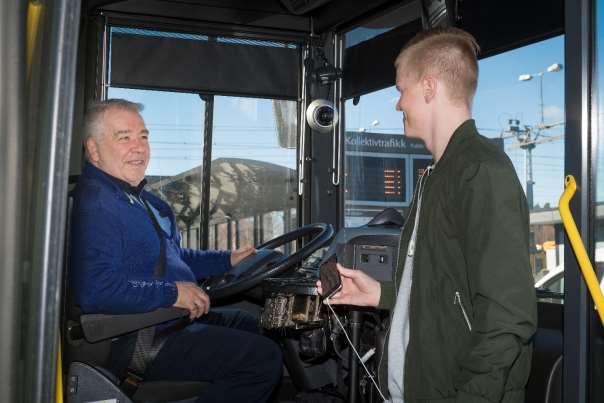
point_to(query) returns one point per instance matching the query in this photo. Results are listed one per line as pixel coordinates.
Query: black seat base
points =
(86, 383)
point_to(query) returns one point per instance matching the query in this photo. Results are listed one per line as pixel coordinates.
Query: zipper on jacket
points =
(457, 301)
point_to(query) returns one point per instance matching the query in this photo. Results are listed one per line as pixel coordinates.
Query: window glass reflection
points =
(254, 181)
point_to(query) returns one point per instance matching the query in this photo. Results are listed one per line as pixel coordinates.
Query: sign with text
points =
(381, 169)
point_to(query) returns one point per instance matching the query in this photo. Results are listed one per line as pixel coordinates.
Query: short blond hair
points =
(449, 53)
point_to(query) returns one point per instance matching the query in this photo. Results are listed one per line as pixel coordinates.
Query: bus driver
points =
(126, 258)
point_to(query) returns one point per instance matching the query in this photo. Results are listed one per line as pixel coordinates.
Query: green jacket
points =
(471, 271)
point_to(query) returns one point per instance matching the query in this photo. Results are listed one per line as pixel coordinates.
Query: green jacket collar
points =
(466, 130)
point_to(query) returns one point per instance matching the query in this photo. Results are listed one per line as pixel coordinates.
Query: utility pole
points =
(526, 141)
(527, 137)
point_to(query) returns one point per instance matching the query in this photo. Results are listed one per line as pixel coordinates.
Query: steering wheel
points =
(268, 262)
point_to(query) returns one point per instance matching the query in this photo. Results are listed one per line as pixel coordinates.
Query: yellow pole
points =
(59, 384)
(570, 187)
(34, 11)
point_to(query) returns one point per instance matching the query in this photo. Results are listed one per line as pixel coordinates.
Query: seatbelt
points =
(148, 341)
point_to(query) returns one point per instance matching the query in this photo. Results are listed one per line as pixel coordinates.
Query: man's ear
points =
(92, 149)
(429, 87)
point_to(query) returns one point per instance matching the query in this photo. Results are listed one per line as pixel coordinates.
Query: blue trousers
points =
(224, 348)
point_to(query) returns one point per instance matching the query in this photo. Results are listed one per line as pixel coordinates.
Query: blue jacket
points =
(115, 249)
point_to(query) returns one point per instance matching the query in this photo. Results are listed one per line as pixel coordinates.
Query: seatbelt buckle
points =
(130, 382)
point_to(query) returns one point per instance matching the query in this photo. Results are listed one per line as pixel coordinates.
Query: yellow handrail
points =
(34, 11)
(59, 379)
(570, 187)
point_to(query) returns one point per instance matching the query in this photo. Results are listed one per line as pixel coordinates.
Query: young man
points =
(126, 258)
(463, 303)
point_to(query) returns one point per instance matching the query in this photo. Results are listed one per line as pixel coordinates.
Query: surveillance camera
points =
(321, 115)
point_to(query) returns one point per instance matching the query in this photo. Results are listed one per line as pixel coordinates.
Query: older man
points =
(126, 258)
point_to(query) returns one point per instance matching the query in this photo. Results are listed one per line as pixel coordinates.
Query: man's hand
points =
(357, 289)
(193, 298)
(239, 254)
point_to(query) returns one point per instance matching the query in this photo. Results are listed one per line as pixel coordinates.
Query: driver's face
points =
(123, 150)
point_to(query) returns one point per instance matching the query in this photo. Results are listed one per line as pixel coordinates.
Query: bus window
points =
(247, 143)
(253, 178)
(519, 104)
(520, 100)
(254, 181)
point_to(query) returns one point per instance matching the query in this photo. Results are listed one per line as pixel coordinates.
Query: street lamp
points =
(527, 142)
(552, 68)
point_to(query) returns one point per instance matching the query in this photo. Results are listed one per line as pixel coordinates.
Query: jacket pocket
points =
(459, 302)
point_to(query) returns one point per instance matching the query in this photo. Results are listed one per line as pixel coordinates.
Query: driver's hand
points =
(239, 254)
(358, 289)
(193, 298)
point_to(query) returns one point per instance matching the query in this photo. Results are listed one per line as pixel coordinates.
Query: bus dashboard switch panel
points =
(321, 115)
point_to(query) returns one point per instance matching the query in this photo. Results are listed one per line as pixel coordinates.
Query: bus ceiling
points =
(498, 25)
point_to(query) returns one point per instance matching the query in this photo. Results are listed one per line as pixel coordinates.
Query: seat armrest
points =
(97, 327)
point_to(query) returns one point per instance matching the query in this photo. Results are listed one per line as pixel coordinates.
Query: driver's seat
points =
(89, 380)
(86, 346)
